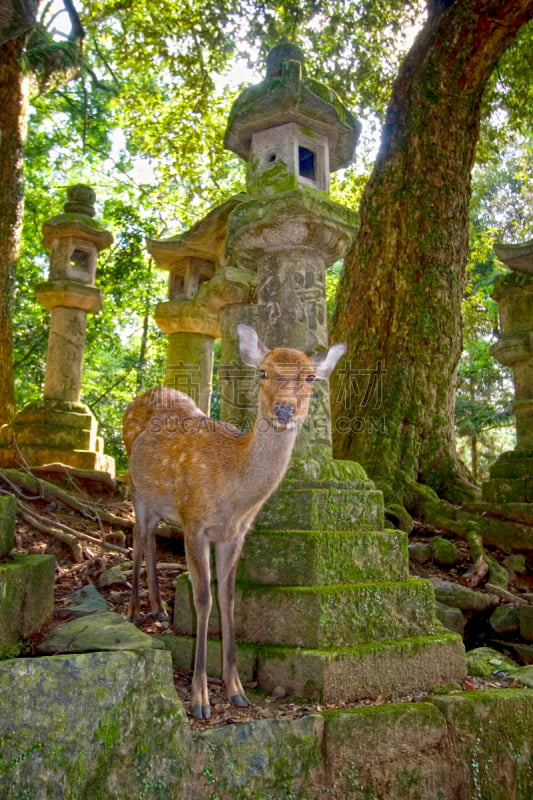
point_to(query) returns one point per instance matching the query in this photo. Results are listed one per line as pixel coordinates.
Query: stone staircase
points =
(325, 613)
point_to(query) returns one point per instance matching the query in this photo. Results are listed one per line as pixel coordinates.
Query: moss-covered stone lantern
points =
(292, 130)
(60, 428)
(325, 607)
(511, 477)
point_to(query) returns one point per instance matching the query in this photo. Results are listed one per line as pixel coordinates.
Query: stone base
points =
(320, 616)
(349, 674)
(326, 495)
(322, 558)
(328, 615)
(54, 431)
(27, 592)
(511, 478)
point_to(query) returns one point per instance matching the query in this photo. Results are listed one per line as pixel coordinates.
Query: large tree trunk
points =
(399, 300)
(12, 133)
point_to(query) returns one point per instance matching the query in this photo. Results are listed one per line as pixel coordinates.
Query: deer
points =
(211, 479)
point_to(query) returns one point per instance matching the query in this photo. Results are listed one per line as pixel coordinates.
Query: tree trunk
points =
(12, 133)
(399, 300)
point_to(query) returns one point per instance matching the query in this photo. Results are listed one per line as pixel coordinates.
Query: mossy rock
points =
(399, 517)
(444, 551)
(484, 662)
(504, 619)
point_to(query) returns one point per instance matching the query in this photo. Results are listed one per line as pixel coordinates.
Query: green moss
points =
(260, 760)
(493, 730)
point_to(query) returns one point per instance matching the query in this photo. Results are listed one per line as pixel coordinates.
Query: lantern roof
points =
(288, 95)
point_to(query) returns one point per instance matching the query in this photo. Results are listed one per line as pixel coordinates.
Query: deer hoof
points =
(200, 711)
(239, 700)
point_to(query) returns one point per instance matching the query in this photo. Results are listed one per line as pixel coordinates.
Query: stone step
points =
(320, 616)
(323, 509)
(513, 464)
(62, 437)
(27, 592)
(320, 558)
(349, 674)
(38, 456)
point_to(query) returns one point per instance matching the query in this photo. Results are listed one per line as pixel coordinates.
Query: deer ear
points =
(326, 361)
(251, 348)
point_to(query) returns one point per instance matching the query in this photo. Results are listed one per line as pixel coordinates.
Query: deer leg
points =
(156, 604)
(227, 558)
(197, 553)
(143, 536)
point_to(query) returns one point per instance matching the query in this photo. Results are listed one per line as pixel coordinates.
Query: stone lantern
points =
(324, 604)
(74, 241)
(60, 428)
(511, 477)
(206, 294)
(292, 130)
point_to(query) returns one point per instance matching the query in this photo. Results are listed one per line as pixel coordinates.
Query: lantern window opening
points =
(306, 163)
(80, 258)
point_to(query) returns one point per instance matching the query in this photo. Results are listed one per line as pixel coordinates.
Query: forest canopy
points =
(135, 102)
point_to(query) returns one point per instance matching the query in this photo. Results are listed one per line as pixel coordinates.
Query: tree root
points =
(27, 488)
(478, 529)
(39, 489)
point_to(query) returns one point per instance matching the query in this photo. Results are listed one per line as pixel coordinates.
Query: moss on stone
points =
(8, 512)
(311, 558)
(26, 598)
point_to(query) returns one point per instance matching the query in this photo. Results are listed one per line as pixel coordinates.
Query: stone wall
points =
(110, 725)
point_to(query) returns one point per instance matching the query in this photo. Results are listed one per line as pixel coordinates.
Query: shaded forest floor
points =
(110, 571)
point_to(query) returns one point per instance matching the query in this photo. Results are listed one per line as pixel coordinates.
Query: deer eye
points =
(263, 374)
(310, 378)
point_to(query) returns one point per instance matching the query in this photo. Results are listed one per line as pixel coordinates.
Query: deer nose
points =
(284, 412)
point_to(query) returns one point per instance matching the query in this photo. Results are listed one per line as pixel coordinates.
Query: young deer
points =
(212, 480)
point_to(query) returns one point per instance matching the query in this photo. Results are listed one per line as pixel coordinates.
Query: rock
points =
(444, 551)
(516, 562)
(484, 662)
(103, 631)
(86, 600)
(400, 518)
(504, 619)
(92, 726)
(451, 618)
(26, 598)
(457, 596)
(526, 622)
(498, 575)
(504, 594)
(113, 576)
(420, 552)
(524, 675)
